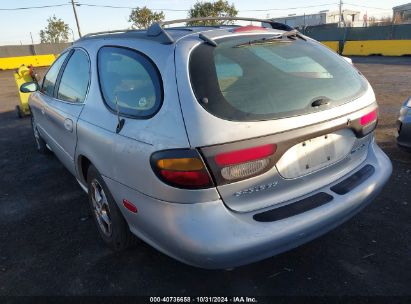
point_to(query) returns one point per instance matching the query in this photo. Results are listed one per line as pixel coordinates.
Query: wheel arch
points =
(83, 163)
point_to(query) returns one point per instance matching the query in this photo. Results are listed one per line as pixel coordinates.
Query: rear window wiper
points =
(274, 39)
(293, 34)
(284, 37)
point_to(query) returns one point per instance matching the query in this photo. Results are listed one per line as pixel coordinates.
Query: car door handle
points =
(68, 124)
(43, 110)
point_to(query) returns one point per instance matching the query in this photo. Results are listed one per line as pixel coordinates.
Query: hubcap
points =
(36, 133)
(100, 207)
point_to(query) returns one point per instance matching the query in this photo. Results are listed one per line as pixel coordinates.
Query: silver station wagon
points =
(219, 145)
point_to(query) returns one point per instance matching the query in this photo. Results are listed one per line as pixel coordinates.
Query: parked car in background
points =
(404, 126)
(219, 146)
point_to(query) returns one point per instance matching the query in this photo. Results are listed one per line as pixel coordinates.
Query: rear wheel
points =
(109, 221)
(40, 143)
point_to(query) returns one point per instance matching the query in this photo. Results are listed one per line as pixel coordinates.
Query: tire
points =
(19, 113)
(40, 143)
(107, 216)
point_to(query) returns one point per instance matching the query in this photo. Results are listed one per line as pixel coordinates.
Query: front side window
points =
(129, 82)
(51, 76)
(251, 78)
(75, 79)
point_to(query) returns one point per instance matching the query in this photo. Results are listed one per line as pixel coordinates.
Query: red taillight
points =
(130, 206)
(244, 155)
(249, 28)
(181, 168)
(186, 178)
(368, 118)
(245, 163)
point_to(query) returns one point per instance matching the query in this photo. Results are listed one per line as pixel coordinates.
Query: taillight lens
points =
(368, 122)
(244, 155)
(181, 168)
(244, 170)
(244, 163)
(186, 178)
(369, 118)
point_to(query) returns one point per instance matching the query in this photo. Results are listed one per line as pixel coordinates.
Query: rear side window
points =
(75, 79)
(51, 76)
(250, 78)
(129, 82)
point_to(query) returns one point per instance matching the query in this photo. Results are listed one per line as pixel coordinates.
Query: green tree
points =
(143, 17)
(56, 31)
(219, 8)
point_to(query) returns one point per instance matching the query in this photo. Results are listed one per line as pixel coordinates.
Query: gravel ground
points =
(49, 245)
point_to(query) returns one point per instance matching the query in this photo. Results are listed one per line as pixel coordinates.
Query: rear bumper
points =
(210, 235)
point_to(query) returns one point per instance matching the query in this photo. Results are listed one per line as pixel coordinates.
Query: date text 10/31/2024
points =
(203, 300)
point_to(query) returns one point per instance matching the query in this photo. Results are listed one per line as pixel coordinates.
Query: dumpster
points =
(22, 75)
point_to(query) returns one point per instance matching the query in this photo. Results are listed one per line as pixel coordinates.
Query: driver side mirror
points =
(29, 87)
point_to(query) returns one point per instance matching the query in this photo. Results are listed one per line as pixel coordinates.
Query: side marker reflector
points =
(130, 206)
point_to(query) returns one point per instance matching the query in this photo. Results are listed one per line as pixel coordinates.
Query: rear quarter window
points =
(129, 82)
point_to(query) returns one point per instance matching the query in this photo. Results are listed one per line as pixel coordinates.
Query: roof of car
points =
(175, 32)
(168, 35)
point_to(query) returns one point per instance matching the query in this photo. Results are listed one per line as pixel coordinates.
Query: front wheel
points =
(110, 223)
(19, 113)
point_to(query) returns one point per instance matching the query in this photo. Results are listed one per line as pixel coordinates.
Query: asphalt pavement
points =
(49, 245)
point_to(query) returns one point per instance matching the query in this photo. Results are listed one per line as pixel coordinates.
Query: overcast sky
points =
(17, 25)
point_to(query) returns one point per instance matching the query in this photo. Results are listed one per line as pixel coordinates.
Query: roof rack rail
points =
(157, 28)
(161, 39)
(109, 32)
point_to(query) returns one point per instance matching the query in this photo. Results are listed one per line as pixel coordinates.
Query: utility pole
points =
(340, 19)
(75, 15)
(72, 33)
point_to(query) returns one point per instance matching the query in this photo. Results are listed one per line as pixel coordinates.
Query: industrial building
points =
(349, 18)
(402, 12)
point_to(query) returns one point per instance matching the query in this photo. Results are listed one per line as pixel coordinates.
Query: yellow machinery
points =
(22, 75)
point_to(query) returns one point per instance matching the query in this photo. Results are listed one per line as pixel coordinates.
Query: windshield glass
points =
(278, 78)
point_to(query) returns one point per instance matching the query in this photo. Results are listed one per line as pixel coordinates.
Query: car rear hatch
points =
(275, 115)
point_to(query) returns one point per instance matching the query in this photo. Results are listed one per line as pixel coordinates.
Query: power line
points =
(371, 7)
(186, 10)
(129, 7)
(288, 8)
(33, 7)
(157, 9)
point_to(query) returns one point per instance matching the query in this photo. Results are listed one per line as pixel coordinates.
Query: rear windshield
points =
(249, 78)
